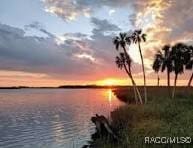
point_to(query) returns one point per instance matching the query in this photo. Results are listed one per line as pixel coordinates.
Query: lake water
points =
(51, 118)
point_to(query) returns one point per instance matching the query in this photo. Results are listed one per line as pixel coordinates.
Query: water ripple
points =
(36, 118)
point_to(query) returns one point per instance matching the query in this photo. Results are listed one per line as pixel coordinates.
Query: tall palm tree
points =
(137, 37)
(189, 63)
(167, 64)
(157, 64)
(122, 62)
(122, 41)
(177, 54)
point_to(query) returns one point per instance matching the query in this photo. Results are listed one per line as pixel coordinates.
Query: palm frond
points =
(128, 40)
(116, 41)
(189, 65)
(163, 66)
(144, 37)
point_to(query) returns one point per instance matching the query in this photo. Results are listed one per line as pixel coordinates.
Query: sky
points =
(61, 42)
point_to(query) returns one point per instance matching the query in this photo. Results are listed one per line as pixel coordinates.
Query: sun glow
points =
(111, 82)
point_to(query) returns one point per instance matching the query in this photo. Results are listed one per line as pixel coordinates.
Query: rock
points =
(103, 128)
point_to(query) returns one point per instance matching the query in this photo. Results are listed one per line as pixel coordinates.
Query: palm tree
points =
(123, 62)
(177, 54)
(137, 37)
(167, 63)
(157, 64)
(189, 63)
(121, 41)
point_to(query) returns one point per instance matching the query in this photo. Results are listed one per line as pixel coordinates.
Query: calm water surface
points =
(51, 118)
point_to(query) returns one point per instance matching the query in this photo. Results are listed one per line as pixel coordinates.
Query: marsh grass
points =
(160, 117)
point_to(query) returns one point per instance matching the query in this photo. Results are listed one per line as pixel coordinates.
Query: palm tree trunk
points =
(158, 79)
(126, 54)
(190, 81)
(131, 77)
(129, 74)
(144, 78)
(136, 91)
(174, 89)
(168, 77)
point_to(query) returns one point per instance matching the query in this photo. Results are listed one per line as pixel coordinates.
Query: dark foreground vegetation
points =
(162, 116)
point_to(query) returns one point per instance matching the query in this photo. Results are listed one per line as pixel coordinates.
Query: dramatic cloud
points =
(163, 21)
(70, 10)
(36, 54)
(77, 57)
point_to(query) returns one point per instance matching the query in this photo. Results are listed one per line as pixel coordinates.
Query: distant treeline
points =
(90, 86)
(82, 87)
(65, 87)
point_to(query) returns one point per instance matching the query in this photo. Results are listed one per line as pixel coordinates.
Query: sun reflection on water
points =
(58, 117)
(110, 97)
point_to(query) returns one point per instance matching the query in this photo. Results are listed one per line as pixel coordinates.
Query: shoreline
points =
(160, 117)
(114, 87)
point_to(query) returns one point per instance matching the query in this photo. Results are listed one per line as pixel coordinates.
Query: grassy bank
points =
(160, 117)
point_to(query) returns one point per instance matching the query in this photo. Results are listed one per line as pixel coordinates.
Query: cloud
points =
(38, 26)
(69, 10)
(10, 74)
(103, 26)
(165, 22)
(37, 54)
(111, 12)
(78, 57)
(85, 56)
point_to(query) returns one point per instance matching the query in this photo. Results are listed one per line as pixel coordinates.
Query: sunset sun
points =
(110, 82)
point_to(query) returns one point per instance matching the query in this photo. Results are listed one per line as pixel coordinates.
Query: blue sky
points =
(19, 13)
(55, 42)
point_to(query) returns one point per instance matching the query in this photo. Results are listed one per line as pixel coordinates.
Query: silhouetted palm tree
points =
(167, 63)
(177, 54)
(121, 62)
(189, 63)
(137, 37)
(157, 64)
(121, 41)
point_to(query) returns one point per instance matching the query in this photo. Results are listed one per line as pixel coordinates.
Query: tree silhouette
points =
(137, 37)
(177, 53)
(125, 61)
(157, 64)
(167, 63)
(189, 63)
